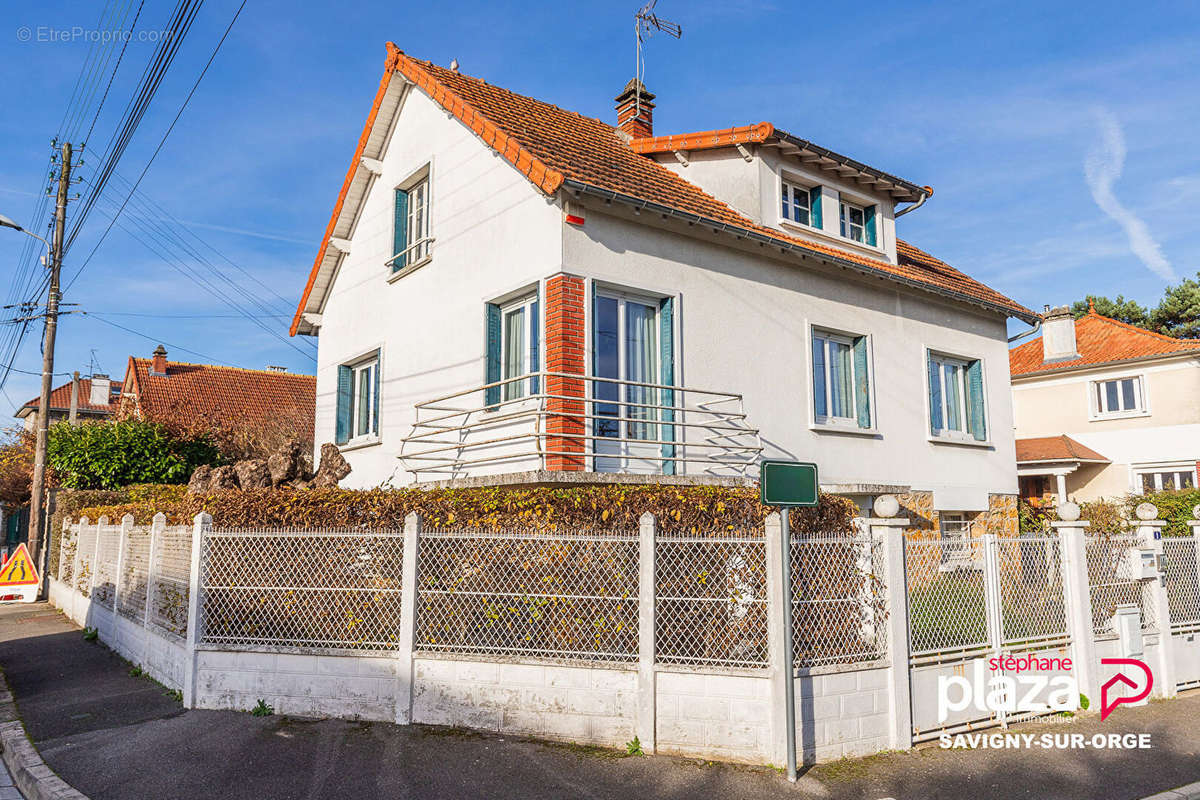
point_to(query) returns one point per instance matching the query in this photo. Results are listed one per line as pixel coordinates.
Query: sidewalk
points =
(114, 736)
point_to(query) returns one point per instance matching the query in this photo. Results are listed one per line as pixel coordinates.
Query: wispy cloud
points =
(1102, 167)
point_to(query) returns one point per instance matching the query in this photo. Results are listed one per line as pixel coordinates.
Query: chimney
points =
(159, 365)
(101, 389)
(1058, 335)
(634, 117)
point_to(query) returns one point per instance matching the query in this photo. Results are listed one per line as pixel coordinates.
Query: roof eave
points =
(915, 192)
(1023, 376)
(638, 203)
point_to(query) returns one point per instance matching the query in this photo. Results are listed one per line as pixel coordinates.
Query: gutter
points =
(745, 233)
(1025, 377)
(923, 192)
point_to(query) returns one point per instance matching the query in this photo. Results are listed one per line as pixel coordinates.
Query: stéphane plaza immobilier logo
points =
(1010, 685)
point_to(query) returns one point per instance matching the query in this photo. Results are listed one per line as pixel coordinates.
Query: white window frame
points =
(1158, 470)
(517, 389)
(792, 187)
(845, 226)
(1097, 398)
(417, 251)
(827, 420)
(370, 364)
(956, 545)
(944, 432)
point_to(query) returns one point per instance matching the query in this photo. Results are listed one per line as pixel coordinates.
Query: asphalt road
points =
(114, 736)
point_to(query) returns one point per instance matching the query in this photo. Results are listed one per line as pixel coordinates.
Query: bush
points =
(1106, 517)
(1175, 507)
(109, 455)
(16, 467)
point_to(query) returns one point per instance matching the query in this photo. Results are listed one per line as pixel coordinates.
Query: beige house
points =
(1104, 409)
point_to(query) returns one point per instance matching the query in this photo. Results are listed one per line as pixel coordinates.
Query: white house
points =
(511, 292)
(1105, 409)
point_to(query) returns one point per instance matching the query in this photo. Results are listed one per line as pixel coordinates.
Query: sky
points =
(1060, 140)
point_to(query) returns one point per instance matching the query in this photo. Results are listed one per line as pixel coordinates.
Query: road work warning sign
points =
(18, 579)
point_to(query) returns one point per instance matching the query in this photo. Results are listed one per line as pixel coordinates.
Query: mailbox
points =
(1138, 564)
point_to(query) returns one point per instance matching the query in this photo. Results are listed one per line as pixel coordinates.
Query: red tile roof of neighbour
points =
(553, 147)
(206, 391)
(60, 399)
(1055, 448)
(1100, 340)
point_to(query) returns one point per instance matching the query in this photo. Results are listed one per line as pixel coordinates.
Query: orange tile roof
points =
(60, 399)
(1055, 448)
(1100, 340)
(206, 391)
(552, 147)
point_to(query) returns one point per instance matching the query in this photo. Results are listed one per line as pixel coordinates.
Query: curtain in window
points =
(362, 401)
(641, 331)
(953, 386)
(514, 352)
(841, 381)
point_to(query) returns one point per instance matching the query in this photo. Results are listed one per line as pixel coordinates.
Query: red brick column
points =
(565, 342)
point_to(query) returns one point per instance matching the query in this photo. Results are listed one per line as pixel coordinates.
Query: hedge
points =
(693, 509)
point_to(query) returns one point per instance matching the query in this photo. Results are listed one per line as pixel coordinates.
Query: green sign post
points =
(788, 484)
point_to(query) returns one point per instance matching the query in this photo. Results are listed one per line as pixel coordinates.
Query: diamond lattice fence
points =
(1183, 580)
(172, 576)
(1033, 606)
(839, 607)
(135, 565)
(1109, 588)
(108, 547)
(86, 552)
(947, 609)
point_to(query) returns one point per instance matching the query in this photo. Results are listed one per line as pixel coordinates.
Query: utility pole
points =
(36, 522)
(73, 416)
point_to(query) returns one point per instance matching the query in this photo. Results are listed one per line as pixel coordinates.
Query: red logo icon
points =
(1107, 705)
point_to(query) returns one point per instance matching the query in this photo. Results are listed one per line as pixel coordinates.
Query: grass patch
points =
(90, 634)
(848, 769)
(262, 709)
(136, 672)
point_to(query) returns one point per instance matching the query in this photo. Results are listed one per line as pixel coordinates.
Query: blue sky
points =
(1060, 140)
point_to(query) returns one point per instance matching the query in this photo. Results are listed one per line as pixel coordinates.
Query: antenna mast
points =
(645, 23)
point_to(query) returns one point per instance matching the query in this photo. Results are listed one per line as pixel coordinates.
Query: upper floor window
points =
(841, 380)
(358, 400)
(956, 401)
(802, 204)
(1118, 397)
(410, 233)
(857, 223)
(512, 348)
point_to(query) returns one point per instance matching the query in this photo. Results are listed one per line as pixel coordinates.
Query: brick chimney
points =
(1058, 335)
(636, 119)
(158, 366)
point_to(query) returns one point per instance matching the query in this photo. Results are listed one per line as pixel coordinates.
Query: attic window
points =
(801, 204)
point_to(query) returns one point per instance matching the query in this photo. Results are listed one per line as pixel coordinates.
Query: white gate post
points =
(993, 604)
(888, 529)
(201, 525)
(408, 619)
(647, 631)
(1154, 594)
(773, 531)
(122, 541)
(1073, 562)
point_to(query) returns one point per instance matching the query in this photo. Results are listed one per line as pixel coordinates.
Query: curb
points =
(33, 778)
(1189, 792)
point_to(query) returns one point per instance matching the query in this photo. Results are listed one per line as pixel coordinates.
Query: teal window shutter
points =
(666, 338)
(535, 363)
(818, 352)
(342, 434)
(935, 396)
(869, 225)
(814, 202)
(492, 393)
(375, 412)
(400, 230)
(862, 384)
(975, 406)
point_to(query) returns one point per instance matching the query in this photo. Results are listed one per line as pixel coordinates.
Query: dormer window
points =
(802, 204)
(858, 223)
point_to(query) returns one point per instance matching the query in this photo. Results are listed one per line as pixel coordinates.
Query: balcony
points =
(562, 423)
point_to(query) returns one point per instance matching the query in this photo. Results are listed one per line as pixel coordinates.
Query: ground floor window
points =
(955, 530)
(1165, 479)
(358, 399)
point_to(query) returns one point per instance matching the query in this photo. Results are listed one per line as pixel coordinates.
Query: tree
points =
(1121, 309)
(110, 455)
(1178, 313)
(16, 467)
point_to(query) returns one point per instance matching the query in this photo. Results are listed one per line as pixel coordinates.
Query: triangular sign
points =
(18, 570)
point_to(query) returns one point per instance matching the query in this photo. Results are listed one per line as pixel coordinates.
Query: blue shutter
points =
(814, 204)
(869, 226)
(535, 364)
(935, 397)
(342, 434)
(818, 353)
(975, 413)
(400, 229)
(492, 374)
(862, 383)
(666, 339)
(378, 379)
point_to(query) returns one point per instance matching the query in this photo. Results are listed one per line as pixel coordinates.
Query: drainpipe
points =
(1029, 332)
(920, 202)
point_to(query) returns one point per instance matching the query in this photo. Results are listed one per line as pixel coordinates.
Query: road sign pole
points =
(789, 672)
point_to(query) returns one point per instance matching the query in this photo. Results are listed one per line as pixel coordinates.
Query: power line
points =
(112, 75)
(155, 339)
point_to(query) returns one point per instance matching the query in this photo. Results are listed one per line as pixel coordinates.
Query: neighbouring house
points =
(510, 292)
(269, 403)
(94, 398)
(1104, 409)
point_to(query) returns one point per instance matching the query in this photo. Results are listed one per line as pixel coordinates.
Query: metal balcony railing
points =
(555, 420)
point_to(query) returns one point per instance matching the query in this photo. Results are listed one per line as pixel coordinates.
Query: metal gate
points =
(1183, 600)
(972, 599)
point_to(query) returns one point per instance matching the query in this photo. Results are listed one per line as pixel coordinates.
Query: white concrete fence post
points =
(77, 595)
(773, 531)
(889, 529)
(156, 530)
(201, 525)
(408, 619)
(1073, 562)
(122, 542)
(1149, 531)
(647, 630)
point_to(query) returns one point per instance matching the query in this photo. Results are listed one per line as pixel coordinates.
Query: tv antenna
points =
(645, 23)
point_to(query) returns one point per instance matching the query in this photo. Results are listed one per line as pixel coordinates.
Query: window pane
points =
(641, 360)
(362, 402)
(953, 391)
(1185, 480)
(818, 349)
(1111, 396)
(842, 219)
(1147, 482)
(606, 365)
(841, 380)
(514, 353)
(1129, 393)
(786, 215)
(856, 216)
(1168, 481)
